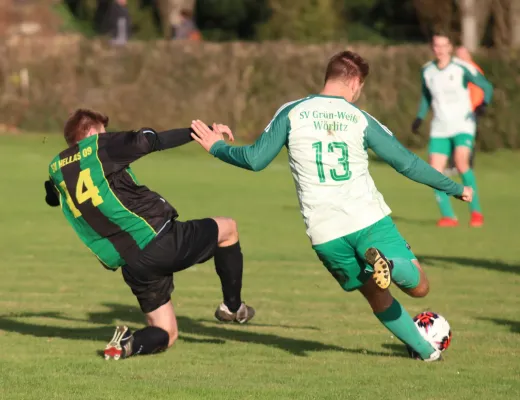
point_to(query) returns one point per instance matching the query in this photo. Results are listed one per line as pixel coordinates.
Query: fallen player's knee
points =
(173, 336)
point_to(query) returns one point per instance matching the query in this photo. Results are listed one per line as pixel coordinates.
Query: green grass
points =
(310, 340)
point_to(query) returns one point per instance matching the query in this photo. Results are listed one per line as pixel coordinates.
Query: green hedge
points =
(167, 84)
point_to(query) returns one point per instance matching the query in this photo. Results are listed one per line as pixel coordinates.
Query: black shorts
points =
(178, 246)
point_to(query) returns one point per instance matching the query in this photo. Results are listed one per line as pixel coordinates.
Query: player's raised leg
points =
(463, 150)
(383, 243)
(397, 320)
(440, 150)
(229, 264)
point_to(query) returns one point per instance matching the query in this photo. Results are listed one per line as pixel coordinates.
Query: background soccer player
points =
(347, 218)
(453, 128)
(476, 96)
(128, 226)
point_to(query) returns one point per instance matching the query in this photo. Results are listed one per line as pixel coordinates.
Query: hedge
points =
(167, 84)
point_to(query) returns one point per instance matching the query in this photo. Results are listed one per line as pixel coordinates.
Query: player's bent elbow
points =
(256, 166)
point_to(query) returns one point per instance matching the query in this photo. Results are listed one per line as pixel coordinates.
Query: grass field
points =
(309, 339)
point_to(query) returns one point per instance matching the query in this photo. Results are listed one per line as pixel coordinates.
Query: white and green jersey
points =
(327, 140)
(446, 92)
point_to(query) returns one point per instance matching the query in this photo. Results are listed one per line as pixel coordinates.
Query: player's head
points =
(348, 70)
(442, 46)
(463, 54)
(84, 123)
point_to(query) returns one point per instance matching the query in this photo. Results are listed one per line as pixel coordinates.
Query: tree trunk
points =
(483, 15)
(469, 24)
(501, 28)
(514, 14)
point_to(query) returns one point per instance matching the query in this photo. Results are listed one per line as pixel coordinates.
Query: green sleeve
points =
(474, 76)
(260, 154)
(386, 146)
(426, 99)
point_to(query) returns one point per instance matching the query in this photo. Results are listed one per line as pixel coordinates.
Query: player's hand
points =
(481, 109)
(226, 130)
(207, 137)
(51, 197)
(415, 125)
(467, 194)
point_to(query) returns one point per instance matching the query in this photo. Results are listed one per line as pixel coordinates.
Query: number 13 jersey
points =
(328, 157)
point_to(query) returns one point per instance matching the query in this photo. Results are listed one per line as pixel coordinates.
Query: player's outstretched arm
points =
(424, 106)
(174, 138)
(123, 148)
(254, 157)
(387, 147)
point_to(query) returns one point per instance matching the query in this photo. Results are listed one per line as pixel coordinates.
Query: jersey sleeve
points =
(473, 75)
(124, 148)
(426, 99)
(259, 155)
(387, 147)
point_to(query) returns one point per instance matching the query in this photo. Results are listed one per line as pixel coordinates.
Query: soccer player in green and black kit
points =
(453, 128)
(347, 219)
(129, 227)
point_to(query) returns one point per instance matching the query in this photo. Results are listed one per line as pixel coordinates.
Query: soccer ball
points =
(434, 328)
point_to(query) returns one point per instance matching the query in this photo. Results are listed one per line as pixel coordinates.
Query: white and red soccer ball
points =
(434, 328)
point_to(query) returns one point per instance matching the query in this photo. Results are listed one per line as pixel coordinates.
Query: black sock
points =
(148, 340)
(229, 263)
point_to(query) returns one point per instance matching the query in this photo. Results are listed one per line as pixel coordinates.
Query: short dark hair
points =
(443, 34)
(347, 65)
(80, 122)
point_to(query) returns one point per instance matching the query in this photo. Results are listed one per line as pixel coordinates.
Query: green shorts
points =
(344, 257)
(446, 145)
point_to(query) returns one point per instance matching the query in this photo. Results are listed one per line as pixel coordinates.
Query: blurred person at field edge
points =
(444, 85)
(476, 96)
(119, 23)
(186, 29)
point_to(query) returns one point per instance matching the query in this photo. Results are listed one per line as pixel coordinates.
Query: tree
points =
(305, 20)
(231, 19)
(469, 24)
(514, 14)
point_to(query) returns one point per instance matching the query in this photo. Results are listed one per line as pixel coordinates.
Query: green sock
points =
(399, 322)
(468, 179)
(405, 273)
(444, 204)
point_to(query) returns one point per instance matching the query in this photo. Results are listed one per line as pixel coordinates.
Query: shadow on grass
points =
(212, 334)
(397, 349)
(494, 265)
(514, 326)
(411, 221)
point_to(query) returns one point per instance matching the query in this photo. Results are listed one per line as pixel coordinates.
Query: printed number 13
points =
(342, 161)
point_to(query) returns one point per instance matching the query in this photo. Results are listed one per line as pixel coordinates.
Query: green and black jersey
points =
(110, 211)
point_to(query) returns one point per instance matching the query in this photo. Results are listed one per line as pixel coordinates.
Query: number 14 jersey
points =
(100, 197)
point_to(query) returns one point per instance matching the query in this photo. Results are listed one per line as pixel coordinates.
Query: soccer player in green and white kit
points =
(453, 127)
(347, 219)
